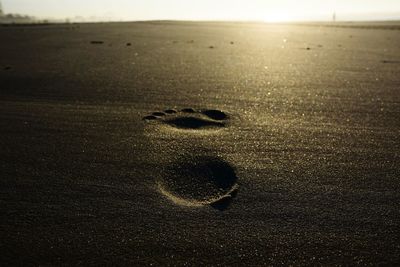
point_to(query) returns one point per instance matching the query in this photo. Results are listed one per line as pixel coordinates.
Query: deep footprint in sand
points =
(199, 181)
(189, 118)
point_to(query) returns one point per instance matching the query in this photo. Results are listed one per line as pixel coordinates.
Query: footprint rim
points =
(199, 181)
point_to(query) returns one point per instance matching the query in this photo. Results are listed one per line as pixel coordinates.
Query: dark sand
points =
(287, 149)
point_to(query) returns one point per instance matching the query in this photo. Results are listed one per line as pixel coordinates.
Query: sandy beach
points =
(200, 143)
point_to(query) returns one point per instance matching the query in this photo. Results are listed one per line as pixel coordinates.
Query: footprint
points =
(391, 61)
(190, 119)
(199, 181)
(189, 173)
(96, 42)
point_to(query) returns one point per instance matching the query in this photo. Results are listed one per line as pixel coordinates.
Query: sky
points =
(253, 10)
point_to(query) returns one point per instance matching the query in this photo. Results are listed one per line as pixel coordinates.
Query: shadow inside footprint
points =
(192, 123)
(199, 181)
(188, 118)
(215, 114)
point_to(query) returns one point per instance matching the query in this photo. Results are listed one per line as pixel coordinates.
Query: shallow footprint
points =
(199, 181)
(189, 118)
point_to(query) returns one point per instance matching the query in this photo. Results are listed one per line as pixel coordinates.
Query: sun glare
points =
(278, 17)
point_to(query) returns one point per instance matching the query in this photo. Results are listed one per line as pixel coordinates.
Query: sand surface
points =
(171, 143)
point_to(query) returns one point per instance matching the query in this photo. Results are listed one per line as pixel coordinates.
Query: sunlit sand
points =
(185, 143)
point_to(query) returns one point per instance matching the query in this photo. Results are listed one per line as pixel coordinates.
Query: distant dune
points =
(15, 18)
(382, 25)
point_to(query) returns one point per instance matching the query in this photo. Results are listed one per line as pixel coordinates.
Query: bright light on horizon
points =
(255, 10)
